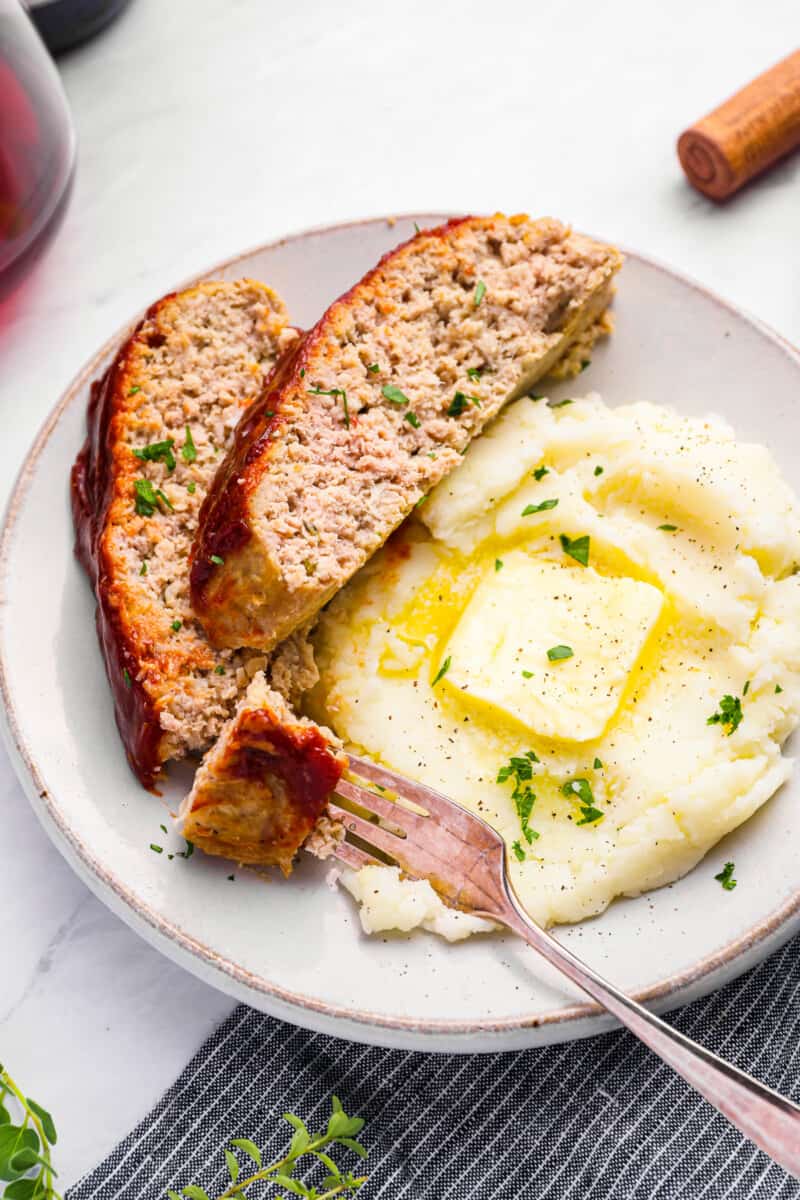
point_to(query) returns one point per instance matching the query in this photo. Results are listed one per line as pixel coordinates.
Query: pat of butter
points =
(498, 650)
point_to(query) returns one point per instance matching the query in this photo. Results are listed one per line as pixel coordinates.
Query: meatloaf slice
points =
(159, 423)
(262, 788)
(376, 404)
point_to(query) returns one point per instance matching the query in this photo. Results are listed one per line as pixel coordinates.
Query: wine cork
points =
(746, 134)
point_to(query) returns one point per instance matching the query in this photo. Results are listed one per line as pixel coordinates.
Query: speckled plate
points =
(295, 948)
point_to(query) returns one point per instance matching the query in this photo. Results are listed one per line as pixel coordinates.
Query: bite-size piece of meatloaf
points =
(377, 403)
(263, 787)
(159, 423)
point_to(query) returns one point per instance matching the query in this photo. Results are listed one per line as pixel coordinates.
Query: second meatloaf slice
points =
(376, 405)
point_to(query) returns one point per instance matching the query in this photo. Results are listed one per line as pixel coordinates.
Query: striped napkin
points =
(593, 1120)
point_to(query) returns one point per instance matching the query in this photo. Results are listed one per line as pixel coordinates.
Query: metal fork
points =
(465, 861)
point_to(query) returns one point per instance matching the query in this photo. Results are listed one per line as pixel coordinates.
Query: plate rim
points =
(200, 958)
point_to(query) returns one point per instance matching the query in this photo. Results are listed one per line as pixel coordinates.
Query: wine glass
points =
(37, 145)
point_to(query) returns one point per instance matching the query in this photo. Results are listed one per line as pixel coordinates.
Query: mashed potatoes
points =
(589, 635)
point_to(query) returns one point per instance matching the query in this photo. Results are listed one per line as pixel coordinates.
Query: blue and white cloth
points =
(600, 1119)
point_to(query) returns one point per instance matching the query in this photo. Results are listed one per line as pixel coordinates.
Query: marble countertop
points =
(206, 126)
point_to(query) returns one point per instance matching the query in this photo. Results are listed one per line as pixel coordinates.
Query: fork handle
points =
(767, 1118)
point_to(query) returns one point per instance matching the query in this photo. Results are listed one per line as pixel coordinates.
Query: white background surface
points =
(208, 125)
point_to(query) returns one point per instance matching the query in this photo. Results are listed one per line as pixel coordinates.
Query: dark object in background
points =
(37, 145)
(746, 134)
(65, 23)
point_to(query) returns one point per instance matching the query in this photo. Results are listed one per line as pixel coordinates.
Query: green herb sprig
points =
(729, 713)
(557, 653)
(188, 449)
(460, 402)
(725, 877)
(158, 452)
(27, 1136)
(334, 392)
(394, 395)
(580, 790)
(305, 1147)
(543, 506)
(148, 498)
(577, 548)
(443, 669)
(520, 768)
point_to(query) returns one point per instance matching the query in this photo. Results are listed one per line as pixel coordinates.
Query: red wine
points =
(37, 145)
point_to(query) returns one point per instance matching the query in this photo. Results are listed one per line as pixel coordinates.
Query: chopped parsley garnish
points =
(461, 401)
(318, 391)
(598, 470)
(156, 849)
(527, 674)
(668, 528)
(587, 362)
(191, 487)
(443, 669)
(778, 689)
(545, 505)
(480, 292)
(188, 449)
(394, 395)
(561, 403)
(219, 670)
(217, 560)
(126, 675)
(520, 769)
(725, 877)
(540, 473)
(746, 688)
(302, 372)
(176, 624)
(520, 766)
(581, 790)
(519, 853)
(420, 502)
(498, 564)
(474, 373)
(143, 567)
(730, 714)
(134, 390)
(148, 497)
(556, 653)
(417, 228)
(412, 419)
(158, 452)
(373, 368)
(577, 548)
(598, 766)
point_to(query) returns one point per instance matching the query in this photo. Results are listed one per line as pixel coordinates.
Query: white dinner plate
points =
(295, 948)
